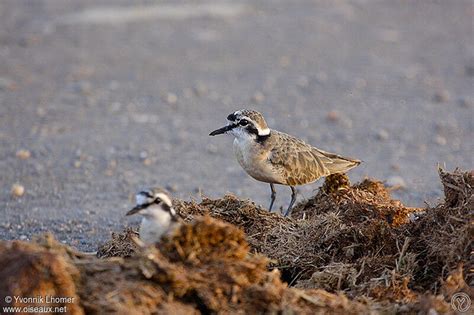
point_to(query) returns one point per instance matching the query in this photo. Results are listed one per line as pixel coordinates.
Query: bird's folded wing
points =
(298, 162)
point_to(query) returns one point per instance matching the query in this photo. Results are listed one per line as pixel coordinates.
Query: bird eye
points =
(243, 122)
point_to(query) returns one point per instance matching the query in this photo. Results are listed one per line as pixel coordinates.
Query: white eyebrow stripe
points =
(263, 132)
(164, 198)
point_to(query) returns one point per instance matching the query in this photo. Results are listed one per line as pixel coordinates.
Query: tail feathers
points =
(333, 163)
(342, 165)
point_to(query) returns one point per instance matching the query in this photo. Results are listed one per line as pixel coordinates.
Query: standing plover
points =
(276, 157)
(159, 217)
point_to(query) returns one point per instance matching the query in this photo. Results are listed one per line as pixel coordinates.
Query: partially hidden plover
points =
(277, 158)
(159, 217)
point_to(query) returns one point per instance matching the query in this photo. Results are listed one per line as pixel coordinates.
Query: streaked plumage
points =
(276, 157)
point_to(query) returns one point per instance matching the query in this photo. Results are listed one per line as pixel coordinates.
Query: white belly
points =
(255, 161)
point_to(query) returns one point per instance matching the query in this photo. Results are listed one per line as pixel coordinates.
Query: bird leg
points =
(293, 199)
(272, 197)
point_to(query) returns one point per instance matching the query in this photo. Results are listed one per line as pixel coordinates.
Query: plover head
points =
(153, 202)
(245, 123)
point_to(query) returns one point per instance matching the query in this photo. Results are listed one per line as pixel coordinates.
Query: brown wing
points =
(297, 161)
(301, 163)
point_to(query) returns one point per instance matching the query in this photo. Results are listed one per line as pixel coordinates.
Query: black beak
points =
(222, 130)
(135, 210)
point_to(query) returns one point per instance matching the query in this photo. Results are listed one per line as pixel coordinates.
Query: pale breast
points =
(152, 229)
(254, 160)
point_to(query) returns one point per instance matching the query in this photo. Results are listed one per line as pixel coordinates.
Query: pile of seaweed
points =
(203, 268)
(350, 249)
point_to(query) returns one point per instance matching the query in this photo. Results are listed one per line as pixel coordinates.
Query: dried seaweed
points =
(121, 245)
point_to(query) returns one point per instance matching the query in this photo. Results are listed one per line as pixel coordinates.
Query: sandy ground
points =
(109, 97)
